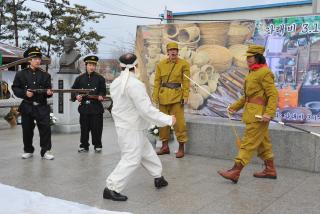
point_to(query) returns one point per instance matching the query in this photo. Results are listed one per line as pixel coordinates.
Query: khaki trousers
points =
(256, 139)
(180, 127)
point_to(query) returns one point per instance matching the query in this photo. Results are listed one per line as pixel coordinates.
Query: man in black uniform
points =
(90, 109)
(34, 106)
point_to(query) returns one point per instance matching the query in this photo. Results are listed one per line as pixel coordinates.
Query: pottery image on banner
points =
(214, 33)
(314, 106)
(189, 34)
(220, 57)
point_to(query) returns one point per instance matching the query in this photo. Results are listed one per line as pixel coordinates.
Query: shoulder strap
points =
(171, 72)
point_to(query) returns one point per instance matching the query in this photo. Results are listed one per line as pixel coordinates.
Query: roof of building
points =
(236, 9)
(10, 51)
(10, 54)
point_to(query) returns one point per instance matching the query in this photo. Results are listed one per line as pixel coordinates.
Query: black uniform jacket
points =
(90, 81)
(32, 79)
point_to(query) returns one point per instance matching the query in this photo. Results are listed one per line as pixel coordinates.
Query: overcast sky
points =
(120, 30)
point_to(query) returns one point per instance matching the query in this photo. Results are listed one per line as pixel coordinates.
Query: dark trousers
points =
(40, 114)
(91, 123)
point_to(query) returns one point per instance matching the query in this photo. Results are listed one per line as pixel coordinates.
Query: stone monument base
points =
(64, 109)
(213, 137)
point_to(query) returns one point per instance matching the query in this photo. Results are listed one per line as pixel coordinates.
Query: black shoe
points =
(160, 182)
(112, 195)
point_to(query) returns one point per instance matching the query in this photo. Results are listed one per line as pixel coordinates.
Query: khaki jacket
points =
(165, 96)
(258, 83)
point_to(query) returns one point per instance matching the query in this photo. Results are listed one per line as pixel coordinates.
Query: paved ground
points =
(194, 185)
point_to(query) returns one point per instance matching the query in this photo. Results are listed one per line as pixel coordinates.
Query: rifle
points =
(83, 91)
(18, 62)
(96, 97)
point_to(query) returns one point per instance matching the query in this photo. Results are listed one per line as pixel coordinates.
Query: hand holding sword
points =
(264, 118)
(230, 110)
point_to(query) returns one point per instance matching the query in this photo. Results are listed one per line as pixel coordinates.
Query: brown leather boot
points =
(164, 149)
(232, 174)
(180, 153)
(268, 172)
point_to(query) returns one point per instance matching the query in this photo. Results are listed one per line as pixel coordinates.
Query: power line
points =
(147, 17)
(112, 7)
(119, 2)
(104, 13)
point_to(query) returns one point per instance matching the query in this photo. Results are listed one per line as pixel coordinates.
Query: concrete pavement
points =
(194, 185)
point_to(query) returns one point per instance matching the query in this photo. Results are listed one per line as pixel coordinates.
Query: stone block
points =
(213, 137)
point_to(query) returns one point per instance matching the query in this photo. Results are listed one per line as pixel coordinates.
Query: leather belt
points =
(256, 100)
(171, 85)
(90, 101)
(34, 103)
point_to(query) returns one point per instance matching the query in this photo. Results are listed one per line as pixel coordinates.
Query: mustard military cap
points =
(91, 59)
(172, 45)
(254, 50)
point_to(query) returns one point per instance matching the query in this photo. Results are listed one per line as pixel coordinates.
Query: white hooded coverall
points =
(133, 113)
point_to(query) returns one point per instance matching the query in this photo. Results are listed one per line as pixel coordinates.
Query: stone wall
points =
(213, 137)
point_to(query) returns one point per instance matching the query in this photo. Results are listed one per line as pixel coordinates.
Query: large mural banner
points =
(216, 51)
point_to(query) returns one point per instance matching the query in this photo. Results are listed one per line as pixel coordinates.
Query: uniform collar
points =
(177, 60)
(87, 73)
(33, 70)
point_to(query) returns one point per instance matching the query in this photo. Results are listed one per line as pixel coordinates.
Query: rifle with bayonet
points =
(80, 91)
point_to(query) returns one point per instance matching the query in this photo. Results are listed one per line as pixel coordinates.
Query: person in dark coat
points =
(34, 107)
(90, 109)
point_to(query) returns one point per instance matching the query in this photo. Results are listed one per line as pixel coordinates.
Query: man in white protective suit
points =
(133, 113)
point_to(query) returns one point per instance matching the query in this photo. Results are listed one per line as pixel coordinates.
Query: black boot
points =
(160, 182)
(112, 195)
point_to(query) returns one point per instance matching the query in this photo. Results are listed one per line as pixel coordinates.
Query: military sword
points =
(207, 92)
(289, 125)
(238, 140)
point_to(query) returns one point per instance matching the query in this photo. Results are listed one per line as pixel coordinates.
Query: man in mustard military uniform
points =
(260, 98)
(171, 92)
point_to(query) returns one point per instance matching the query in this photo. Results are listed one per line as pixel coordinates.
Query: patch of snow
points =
(19, 201)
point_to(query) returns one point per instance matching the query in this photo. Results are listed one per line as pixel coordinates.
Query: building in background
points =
(294, 8)
(11, 54)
